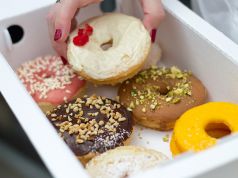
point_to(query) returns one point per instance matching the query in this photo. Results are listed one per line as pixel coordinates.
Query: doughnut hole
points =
(164, 89)
(44, 74)
(217, 130)
(47, 76)
(107, 45)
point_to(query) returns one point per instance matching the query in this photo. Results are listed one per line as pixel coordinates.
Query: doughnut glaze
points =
(92, 125)
(49, 81)
(190, 131)
(158, 96)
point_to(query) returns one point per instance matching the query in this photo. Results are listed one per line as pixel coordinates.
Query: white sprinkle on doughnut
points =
(45, 74)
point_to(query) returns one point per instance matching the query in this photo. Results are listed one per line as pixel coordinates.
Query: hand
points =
(61, 16)
(59, 20)
(153, 15)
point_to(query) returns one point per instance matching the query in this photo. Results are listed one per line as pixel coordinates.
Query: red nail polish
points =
(64, 60)
(58, 34)
(153, 35)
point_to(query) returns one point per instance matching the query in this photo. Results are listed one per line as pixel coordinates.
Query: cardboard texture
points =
(187, 42)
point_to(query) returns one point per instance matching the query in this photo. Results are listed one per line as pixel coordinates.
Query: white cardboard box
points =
(187, 42)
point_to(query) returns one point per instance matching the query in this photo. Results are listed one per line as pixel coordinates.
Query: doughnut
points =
(124, 161)
(190, 131)
(109, 49)
(173, 147)
(154, 56)
(92, 125)
(158, 96)
(215, 133)
(49, 82)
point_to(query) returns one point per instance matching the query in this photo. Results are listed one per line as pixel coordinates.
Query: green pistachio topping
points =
(150, 93)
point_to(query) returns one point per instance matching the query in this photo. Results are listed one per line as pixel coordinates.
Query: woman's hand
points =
(59, 20)
(62, 14)
(153, 15)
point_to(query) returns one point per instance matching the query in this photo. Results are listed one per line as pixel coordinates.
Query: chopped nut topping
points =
(166, 138)
(76, 109)
(53, 115)
(101, 123)
(84, 124)
(151, 94)
(121, 119)
(143, 110)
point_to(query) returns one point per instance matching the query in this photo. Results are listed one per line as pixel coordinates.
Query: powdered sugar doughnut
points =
(50, 82)
(124, 161)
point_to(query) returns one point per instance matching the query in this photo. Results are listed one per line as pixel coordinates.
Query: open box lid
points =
(62, 163)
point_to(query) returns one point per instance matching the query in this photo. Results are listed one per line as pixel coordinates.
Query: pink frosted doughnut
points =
(50, 82)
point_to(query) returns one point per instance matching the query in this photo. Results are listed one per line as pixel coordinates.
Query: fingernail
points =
(58, 34)
(153, 35)
(64, 60)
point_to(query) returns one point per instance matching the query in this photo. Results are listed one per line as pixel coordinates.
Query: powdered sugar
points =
(112, 140)
(124, 161)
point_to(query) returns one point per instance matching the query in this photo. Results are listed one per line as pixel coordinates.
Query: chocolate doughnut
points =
(158, 96)
(92, 125)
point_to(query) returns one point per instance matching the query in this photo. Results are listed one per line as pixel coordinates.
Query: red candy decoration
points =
(80, 32)
(89, 29)
(83, 35)
(80, 40)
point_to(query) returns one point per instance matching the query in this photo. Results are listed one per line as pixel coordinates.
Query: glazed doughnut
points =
(130, 44)
(50, 82)
(92, 125)
(216, 132)
(158, 96)
(190, 131)
(173, 147)
(123, 162)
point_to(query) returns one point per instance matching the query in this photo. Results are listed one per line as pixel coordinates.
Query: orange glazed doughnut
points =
(173, 147)
(216, 133)
(199, 128)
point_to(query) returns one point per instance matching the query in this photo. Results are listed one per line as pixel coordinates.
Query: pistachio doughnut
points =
(92, 125)
(124, 161)
(159, 96)
(190, 131)
(128, 45)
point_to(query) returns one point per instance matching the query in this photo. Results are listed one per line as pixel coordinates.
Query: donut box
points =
(187, 42)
